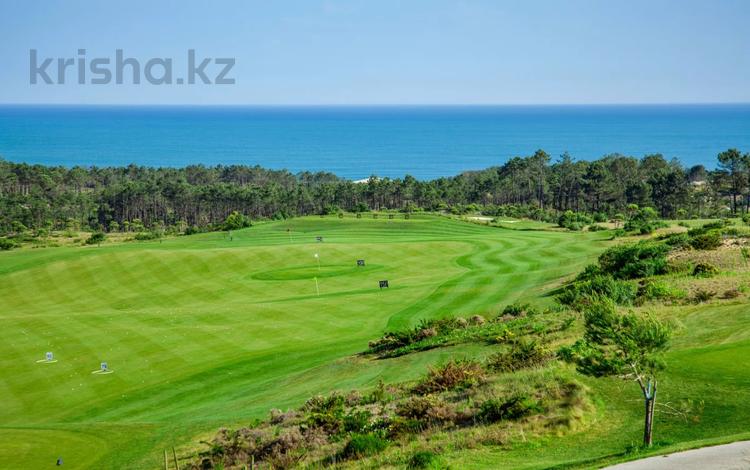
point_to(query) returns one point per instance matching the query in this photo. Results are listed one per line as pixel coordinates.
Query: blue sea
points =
(356, 142)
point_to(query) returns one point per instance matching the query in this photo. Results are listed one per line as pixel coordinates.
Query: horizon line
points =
(384, 105)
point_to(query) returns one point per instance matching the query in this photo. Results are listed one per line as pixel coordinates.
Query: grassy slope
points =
(708, 363)
(204, 331)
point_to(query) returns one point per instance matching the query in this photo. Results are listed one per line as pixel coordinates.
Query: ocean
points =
(356, 142)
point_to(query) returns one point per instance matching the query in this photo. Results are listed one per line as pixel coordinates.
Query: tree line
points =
(199, 197)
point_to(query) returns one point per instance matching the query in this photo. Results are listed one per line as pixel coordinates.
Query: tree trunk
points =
(650, 401)
(648, 428)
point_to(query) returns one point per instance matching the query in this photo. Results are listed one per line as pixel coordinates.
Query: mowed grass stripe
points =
(196, 340)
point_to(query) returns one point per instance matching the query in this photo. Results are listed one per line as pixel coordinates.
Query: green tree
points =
(627, 346)
(236, 221)
(736, 167)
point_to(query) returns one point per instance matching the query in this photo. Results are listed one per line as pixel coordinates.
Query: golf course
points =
(215, 329)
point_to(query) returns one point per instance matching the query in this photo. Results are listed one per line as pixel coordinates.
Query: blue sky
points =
(393, 51)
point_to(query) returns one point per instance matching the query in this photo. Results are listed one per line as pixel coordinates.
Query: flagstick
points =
(317, 289)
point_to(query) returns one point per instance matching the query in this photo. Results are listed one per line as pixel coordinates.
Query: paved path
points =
(734, 456)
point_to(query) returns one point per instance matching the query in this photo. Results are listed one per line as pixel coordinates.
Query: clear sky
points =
(392, 51)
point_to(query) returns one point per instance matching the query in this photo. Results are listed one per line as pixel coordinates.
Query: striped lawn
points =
(215, 329)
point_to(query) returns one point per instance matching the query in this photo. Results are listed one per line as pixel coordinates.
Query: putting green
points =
(206, 331)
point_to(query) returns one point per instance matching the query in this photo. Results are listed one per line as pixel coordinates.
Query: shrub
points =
(573, 220)
(515, 407)
(637, 260)
(519, 310)
(477, 320)
(643, 220)
(426, 410)
(677, 240)
(325, 413)
(596, 228)
(589, 272)
(357, 421)
(618, 233)
(705, 228)
(655, 290)
(731, 294)
(602, 285)
(378, 394)
(522, 355)
(600, 217)
(395, 340)
(455, 374)
(6, 244)
(706, 241)
(701, 296)
(423, 459)
(96, 238)
(705, 270)
(236, 221)
(144, 236)
(363, 445)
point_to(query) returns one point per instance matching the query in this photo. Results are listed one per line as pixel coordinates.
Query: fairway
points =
(212, 329)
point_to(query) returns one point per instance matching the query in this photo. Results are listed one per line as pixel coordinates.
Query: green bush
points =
(705, 228)
(144, 236)
(522, 355)
(589, 272)
(655, 290)
(236, 221)
(620, 232)
(573, 220)
(596, 228)
(518, 309)
(600, 217)
(96, 238)
(6, 244)
(705, 270)
(423, 459)
(677, 240)
(364, 445)
(637, 260)
(456, 374)
(402, 341)
(706, 241)
(598, 286)
(643, 221)
(357, 421)
(515, 407)
(325, 413)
